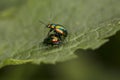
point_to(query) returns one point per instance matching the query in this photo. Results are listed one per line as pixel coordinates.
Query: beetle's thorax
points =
(52, 26)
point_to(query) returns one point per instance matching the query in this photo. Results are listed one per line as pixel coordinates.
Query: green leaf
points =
(89, 23)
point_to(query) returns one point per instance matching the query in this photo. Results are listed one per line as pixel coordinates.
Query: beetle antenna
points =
(42, 22)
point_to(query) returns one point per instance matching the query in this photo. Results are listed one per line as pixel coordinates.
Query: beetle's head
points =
(50, 26)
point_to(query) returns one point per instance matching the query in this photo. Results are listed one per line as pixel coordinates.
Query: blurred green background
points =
(101, 64)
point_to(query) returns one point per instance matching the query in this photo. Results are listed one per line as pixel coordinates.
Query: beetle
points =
(52, 40)
(58, 29)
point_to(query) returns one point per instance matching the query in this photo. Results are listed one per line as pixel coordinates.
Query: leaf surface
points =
(89, 23)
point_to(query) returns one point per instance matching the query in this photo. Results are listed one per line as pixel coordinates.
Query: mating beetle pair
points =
(59, 35)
